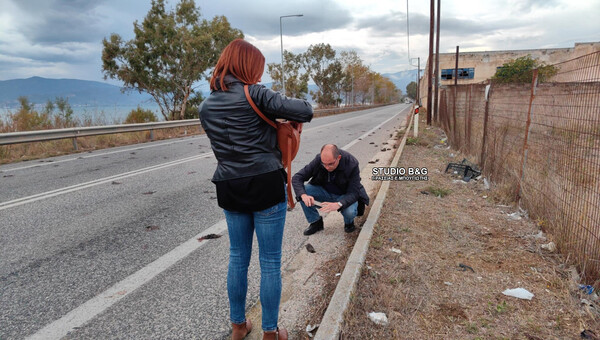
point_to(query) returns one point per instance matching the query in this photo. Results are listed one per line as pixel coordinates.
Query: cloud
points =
(260, 18)
(394, 24)
(528, 6)
(57, 21)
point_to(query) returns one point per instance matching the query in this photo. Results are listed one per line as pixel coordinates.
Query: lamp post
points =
(281, 37)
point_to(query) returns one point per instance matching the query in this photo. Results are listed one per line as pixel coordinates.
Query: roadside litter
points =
(208, 237)
(310, 328)
(464, 267)
(379, 318)
(588, 289)
(464, 169)
(397, 251)
(551, 247)
(520, 293)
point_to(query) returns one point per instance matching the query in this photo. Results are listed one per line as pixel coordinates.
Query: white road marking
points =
(76, 187)
(93, 307)
(347, 146)
(39, 164)
(338, 121)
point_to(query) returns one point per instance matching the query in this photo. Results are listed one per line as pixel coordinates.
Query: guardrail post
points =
(151, 135)
(75, 144)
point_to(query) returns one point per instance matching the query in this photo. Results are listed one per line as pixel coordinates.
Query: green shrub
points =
(520, 70)
(140, 115)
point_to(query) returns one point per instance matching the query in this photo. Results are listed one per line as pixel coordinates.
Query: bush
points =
(26, 119)
(140, 115)
(521, 69)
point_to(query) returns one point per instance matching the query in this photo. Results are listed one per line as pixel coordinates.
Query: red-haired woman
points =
(249, 177)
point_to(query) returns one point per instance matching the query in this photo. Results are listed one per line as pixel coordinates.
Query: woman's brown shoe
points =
(241, 330)
(279, 334)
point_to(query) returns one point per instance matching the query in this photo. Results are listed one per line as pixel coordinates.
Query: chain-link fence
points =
(540, 142)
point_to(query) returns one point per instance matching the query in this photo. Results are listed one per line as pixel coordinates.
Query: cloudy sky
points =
(62, 38)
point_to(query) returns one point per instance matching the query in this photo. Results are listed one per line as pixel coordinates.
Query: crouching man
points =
(334, 180)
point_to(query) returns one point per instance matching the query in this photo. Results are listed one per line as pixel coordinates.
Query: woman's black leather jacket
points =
(244, 144)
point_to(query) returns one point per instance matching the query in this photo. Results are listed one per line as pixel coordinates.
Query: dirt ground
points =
(457, 250)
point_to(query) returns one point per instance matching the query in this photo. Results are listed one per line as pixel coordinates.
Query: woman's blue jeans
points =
(321, 195)
(268, 225)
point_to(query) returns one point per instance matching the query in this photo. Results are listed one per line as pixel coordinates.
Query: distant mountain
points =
(402, 78)
(79, 92)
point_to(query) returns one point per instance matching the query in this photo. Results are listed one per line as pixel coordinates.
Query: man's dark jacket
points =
(244, 144)
(347, 178)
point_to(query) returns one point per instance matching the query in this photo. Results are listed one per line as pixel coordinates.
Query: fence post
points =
(467, 142)
(488, 92)
(534, 82)
(454, 142)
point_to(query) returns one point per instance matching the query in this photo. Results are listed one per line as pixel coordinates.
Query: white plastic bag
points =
(520, 293)
(379, 318)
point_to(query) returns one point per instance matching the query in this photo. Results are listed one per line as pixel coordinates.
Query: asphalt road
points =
(103, 245)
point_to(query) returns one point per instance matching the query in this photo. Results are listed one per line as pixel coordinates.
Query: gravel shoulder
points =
(438, 266)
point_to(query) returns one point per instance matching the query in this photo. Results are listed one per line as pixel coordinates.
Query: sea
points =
(95, 114)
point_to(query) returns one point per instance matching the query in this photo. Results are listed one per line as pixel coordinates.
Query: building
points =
(478, 67)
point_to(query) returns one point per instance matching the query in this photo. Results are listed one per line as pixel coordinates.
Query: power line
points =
(407, 32)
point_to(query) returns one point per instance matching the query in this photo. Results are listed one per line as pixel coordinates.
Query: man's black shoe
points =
(349, 227)
(314, 227)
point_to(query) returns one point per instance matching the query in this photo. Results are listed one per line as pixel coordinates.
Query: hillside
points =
(402, 78)
(79, 92)
(93, 93)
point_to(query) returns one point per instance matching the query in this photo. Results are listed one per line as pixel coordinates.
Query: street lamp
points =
(281, 37)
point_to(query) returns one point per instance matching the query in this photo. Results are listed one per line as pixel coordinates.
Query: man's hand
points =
(329, 207)
(308, 200)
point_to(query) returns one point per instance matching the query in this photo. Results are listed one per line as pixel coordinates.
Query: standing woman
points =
(249, 177)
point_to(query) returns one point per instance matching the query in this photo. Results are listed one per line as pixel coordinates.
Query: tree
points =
(322, 66)
(411, 90)
(170, 52)
(520, 70)
(351, 63)
(296, 84)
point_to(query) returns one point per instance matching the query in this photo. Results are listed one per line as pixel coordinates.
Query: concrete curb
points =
(334, 315)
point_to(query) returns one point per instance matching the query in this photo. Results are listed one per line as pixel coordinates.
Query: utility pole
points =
(437, 64)
(429, 59)
(419, 81)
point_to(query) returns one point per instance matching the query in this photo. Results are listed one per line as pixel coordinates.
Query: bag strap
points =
(288, 165)
(270, 122)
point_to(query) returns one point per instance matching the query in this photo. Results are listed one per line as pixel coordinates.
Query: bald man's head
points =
(330, 157)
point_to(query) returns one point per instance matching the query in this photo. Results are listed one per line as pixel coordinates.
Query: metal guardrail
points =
(46, 135)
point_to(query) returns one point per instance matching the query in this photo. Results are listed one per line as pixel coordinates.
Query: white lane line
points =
(40, 164)
(80, 186)
(339, 121)
(347, 146)
(93, 307)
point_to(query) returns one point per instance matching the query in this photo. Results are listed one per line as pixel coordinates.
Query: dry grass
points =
(424, 291)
